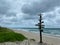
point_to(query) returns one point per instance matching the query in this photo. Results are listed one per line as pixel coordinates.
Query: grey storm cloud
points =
(50, 16)
(4, 6)
(40, 6)
(11, 14)
(58, 22)
(29, 17)
(24, 12)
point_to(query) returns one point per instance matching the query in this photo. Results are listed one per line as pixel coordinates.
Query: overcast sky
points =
(24, 13)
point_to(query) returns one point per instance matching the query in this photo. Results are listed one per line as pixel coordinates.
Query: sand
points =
(47, 40)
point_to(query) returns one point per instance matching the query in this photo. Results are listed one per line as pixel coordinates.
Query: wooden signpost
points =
(41, 26)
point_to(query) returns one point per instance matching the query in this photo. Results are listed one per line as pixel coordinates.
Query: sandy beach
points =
(48, 40)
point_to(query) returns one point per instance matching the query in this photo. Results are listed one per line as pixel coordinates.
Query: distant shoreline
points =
(48, 35)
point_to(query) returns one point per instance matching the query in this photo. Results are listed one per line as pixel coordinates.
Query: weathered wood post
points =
(41, 26)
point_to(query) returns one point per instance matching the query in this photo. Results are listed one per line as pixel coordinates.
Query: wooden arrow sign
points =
(42, 22)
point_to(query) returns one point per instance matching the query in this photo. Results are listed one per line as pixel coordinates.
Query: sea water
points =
(47, 31)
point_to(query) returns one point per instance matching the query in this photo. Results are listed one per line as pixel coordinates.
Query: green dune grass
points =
(7, 35)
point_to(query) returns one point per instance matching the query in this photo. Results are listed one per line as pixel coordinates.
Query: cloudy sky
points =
(24, 13)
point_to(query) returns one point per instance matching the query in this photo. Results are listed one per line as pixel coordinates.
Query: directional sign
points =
(41, 26)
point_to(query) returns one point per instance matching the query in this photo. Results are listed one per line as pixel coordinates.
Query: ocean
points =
(47, 31)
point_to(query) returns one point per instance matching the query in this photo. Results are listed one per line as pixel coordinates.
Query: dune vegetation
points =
(8, 35)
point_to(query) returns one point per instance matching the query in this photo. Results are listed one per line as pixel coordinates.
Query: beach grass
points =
(7, 35)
